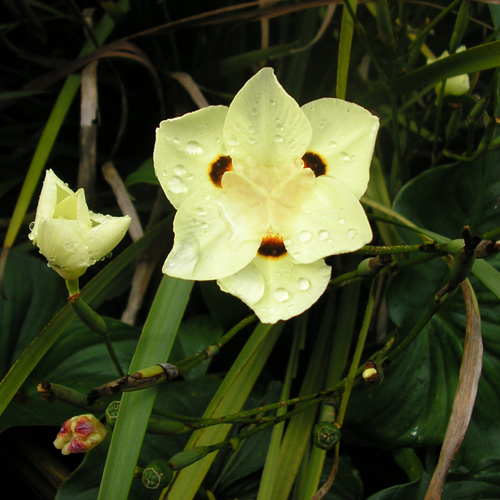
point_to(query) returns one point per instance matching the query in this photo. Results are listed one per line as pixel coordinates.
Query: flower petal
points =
(214, 237)
(185, 149)
(54, 190)
(73, 207)
(60, 241)
(331, 222)
(265, 126)
(278, 288)
(344, 136)
(105, 235)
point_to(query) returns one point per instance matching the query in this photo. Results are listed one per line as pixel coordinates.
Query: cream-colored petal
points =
(344, 136)
(214, 237)
(265, 126)
(278, 289)
(331, 222)
(54, 190)
(456, 85)
(184, 150)
(105, 234)
(60, 241)
(74, 207)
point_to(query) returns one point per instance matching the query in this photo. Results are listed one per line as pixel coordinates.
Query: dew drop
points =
(200, 211)
(341, 221)
(204, 225)
(305, 236)
(303, 284)
(332, 144)
(254, 111)
(280, 294)
(344, 156)
(251, 140)
(179, 170)
(176, 185)
(351, 234)
(31, 226)
(49, 264)
(278, 138)
(193, 148)
(287, 243)
(251, 129)
(323, 235)
(176, 140)
(325, 271)
(272, 102)
(231, 140)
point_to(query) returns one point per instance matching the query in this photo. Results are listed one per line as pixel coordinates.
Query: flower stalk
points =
(91, 319)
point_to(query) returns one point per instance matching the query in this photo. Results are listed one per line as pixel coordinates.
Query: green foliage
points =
(435, 167)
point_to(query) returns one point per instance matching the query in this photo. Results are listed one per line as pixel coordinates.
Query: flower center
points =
(218, 168)
(315, 163)
(272, 246)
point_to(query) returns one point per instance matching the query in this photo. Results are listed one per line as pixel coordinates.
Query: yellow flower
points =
(80, 434)
(456, 85)
(264, 191)
(68, 234)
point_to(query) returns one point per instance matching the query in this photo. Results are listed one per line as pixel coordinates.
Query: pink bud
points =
(80, 434)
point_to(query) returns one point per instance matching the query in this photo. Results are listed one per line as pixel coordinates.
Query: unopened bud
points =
(188, 457)
(157, 474)
(80, 434)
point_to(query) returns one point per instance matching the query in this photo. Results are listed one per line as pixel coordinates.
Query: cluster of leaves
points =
(435, 165)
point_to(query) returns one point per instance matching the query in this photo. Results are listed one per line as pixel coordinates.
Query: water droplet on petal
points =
(344, 156)
(351, 234)
(204, 225)
(176, 140)
(323, 234)
(251, 140)
(253, 111)
(305, 236)
(231, 140)
(176, 185)
(341, 221)
(325, 271)
(179, 170)
(251, 129)
(200, 211)
(31, 226)
(280, 294)
(303, 284)
(272, 102)
(332, 144)
(278, 138)
(193, 148)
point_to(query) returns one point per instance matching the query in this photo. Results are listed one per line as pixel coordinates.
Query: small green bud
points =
(112, 413)
(188, 457)
(453, 123)
(157, 474)
(326, 435)
(372, 266)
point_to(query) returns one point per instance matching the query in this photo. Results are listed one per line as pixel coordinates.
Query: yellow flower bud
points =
(68, 234)
(80, 434)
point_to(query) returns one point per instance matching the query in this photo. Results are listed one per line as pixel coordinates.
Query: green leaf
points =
(195, 335)
(145, 174)
(184, 397)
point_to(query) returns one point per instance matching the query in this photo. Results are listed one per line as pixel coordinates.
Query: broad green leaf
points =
(80, 361)
(184, 397)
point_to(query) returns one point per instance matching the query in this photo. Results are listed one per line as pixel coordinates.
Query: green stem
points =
(353, 370)
(91, 319)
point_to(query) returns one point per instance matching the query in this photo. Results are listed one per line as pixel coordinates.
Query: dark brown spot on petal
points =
(315, 163)
(218, 168)
(272, 246)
